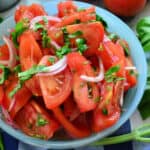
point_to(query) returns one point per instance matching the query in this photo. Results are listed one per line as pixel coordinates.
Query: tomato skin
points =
(131, 79)
(69, 127)
(29, 12)
(109, 102)
(66, 8)
(30, 54)
(71, 111)
(26, 119)
(21, 97)
(53, 97)
(93, 40)
(82, 16)
(4, 52)
(80, 66)
(112, 54)
(1, 94)
(125, 8)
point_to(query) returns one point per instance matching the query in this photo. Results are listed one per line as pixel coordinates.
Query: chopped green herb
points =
(81, 45)
(1, 19)
(63, 51)
(5, 73)
(97, 99)
(75, 34)
(81, 9)
(17, 58)
(45, 20)
(38, 26)
(110, 75)
(100, 19)
(113, 37)
(51, 60)
(19, 29)
(45, 39)
(125, 48)
(39, 136)
(66, 38)
(41, 121)
(105, 111)
(17, 68)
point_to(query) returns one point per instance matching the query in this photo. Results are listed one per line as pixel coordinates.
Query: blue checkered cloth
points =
(12, 144)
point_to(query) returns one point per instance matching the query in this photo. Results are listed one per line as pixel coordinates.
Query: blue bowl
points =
(132, 98)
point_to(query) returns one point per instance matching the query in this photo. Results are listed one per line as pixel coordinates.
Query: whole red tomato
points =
(125, 8)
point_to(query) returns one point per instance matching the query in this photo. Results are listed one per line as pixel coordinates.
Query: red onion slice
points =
(12, 52)
(40, 18)
(105, 39)
(53, 43)
(98, 78)
(11, 104)
(130, 68)
(54, 69)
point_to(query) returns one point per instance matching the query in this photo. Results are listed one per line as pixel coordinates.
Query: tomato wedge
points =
(29, 12)
(131, 79)
(4, 53)
(112, 55)
(66, 8)
(82, 16)
(84, 93)
(73, 131)
(92, 40)
(30, 54)
(13, 105)
(55, 88)
(1, 94)
(36, 121)
(108, 111)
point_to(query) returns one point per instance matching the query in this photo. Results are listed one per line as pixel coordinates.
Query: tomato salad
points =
(63, 72)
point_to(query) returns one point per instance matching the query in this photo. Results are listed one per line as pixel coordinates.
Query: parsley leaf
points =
(125, 48)
(38, 26)
(63, 51)
(75, 34)
(100, 19)
(19, 29)
(17, 69)
(45, 39)
(41, 121)
(51, 60)
(5, 73)
(110, 75)
(81, 45)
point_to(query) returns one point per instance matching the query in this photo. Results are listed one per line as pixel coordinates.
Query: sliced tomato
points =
(13, 105)
(131, 79)
(29, 12)
(108, 111)
(69, 127)
(82, 16)
(92, 40)
(84, 93)
(1, 94)
(71, 111)
(30, 54)
(55, 88)
(4, 53)
(112, 55)
(66, 8)
(28, 120)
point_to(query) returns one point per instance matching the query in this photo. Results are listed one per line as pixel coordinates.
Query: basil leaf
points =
(5, 73)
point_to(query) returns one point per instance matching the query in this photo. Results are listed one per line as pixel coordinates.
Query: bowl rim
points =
(85, 141)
